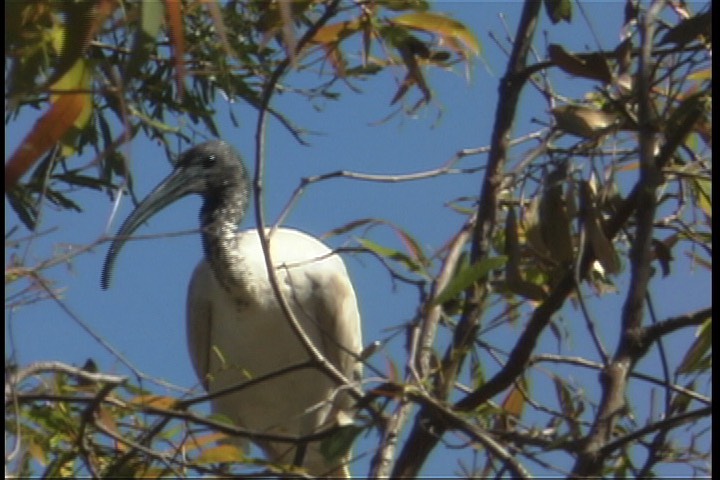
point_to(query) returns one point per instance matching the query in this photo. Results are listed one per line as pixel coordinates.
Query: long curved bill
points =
(176, 185)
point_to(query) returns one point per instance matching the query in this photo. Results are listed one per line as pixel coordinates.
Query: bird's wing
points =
(339, 321)
(199, 320)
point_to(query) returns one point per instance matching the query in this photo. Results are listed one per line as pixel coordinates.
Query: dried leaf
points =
(690, 29)
(555, 223)
(584, 122)
(512, 248)
(442, 26)
(515, 283)
(663, 255)
(513, 404)
(602, 247)
(173, 10)
(213, 7)
(590, 65)
(531, 223)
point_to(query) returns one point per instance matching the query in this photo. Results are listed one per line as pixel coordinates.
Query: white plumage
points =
(236, 329)
(254, 339)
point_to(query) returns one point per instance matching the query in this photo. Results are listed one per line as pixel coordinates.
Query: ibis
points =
(237, 332)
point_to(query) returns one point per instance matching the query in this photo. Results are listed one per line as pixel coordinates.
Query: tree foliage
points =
(614, 191)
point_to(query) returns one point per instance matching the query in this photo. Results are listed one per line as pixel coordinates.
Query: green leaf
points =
(339, 443)
(558, 10)
(401, 5)
(391, 254)
(703, 194)
(467, 276)
(152, 16)
(699, 355)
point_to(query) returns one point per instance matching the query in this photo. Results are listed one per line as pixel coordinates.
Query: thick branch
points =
(614, 379)
(423, 438)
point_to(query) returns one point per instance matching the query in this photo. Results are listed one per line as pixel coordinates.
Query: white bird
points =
(236, 329)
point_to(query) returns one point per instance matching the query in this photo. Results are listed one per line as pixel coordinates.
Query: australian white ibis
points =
(236, 329)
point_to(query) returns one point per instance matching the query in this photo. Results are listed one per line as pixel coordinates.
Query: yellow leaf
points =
(76, 82)
(335, 32)
(155, 401)
(699, 355)
(512, 247)
(700, 75)
(703, 194)
(221, 454)
(440, 25)
(198, 441)
(38, 453)
(531, 225)
(515, 282)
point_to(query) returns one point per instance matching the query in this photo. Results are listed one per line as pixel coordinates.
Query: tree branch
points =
(423, 438)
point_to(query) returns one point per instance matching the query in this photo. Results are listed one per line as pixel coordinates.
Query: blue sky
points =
(142, 315)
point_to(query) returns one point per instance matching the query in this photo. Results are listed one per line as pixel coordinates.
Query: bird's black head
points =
(212, 169)
(209, 168)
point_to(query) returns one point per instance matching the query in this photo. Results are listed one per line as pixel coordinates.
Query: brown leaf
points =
(590, 65)
(512, 247)
(414, 75)
(663, 255)
(584, 122)
(690, 29)
(173, 10)
(216, 15)
(602, 247)
(555, 223)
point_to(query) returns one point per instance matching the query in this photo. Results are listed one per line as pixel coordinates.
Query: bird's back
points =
(243, 335)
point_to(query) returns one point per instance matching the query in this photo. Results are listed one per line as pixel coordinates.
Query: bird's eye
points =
(209, 161)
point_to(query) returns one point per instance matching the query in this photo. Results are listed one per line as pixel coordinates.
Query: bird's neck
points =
(219, 219)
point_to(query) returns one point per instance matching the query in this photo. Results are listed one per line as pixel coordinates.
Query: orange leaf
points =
(48, 130)
(514, 402)
(174, 18)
